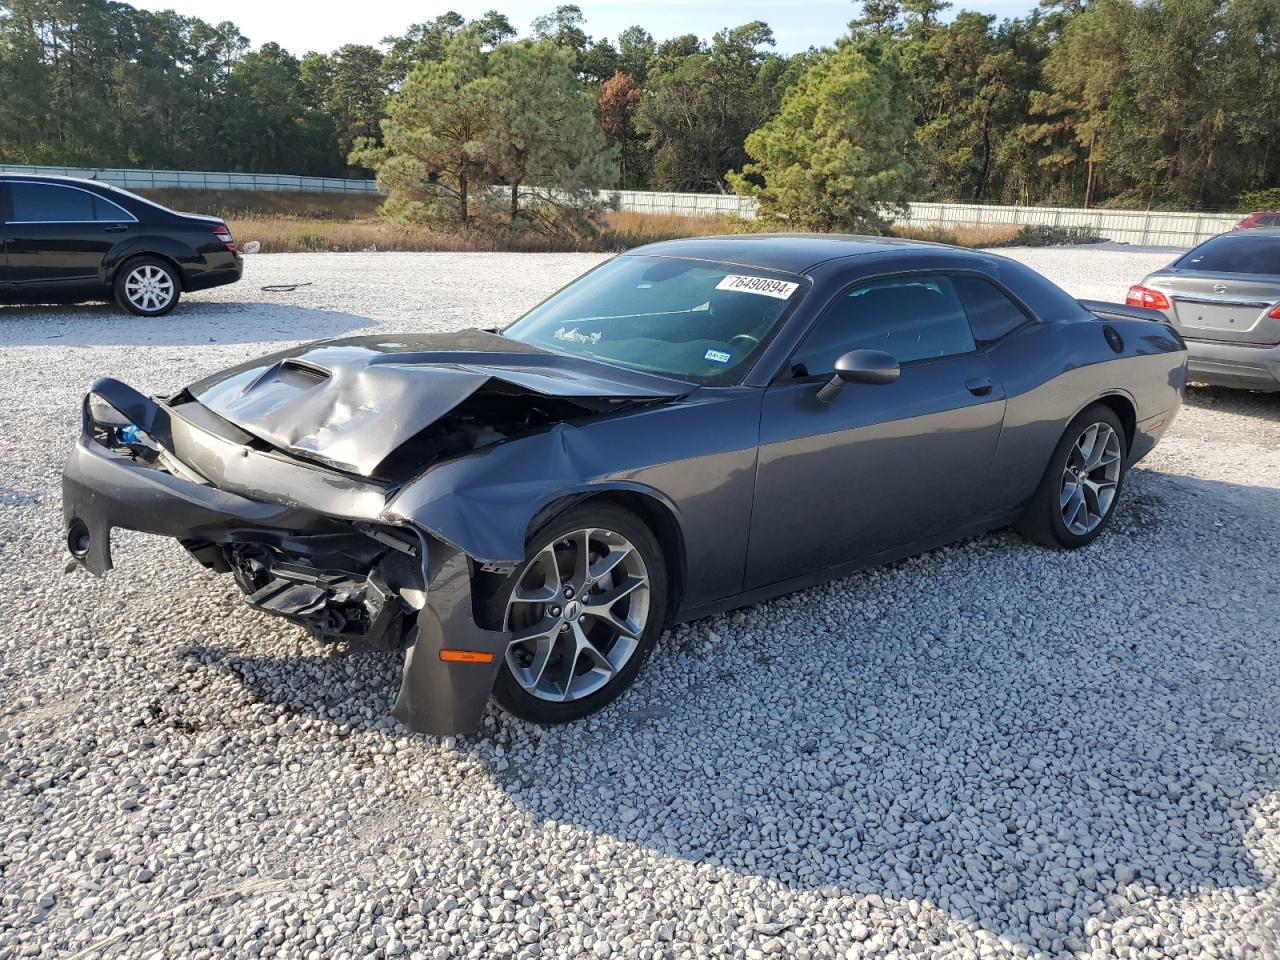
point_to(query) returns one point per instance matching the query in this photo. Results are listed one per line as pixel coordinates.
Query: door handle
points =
(118, 228)
(979, 386)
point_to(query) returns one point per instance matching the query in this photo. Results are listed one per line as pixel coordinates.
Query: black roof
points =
(55, 179)
(789, 252)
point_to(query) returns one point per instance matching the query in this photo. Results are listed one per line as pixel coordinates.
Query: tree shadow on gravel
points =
(1022, 738)
(190, 324)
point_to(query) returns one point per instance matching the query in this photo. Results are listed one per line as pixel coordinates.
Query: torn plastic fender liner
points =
(436, 696)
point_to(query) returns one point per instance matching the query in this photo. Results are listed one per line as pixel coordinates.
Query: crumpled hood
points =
(350, 403)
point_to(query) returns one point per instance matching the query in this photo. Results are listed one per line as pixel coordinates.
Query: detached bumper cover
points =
(104, 489)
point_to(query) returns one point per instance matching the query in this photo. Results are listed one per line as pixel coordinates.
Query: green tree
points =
(839, 153)
(700, 104)
(972, 101)
(1082, 73)
(270, 123)
(421, 43)
(564, 27)
(350, 86)
(599, 62)
(544, 139)
(436, 153)
(635, 49)
(881, 18)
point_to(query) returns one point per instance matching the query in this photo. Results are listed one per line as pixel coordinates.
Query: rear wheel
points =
(1080, 489)
(585, 609)
(147, 286)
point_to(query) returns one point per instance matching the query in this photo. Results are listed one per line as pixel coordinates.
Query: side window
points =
(909, 318)
(51, 204)
(991, 314)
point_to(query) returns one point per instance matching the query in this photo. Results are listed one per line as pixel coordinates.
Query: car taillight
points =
(224, 235)
(1274, 312)
(1140, 296)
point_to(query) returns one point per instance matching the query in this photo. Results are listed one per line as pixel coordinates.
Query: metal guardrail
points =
(200, 179)
(1145, 227)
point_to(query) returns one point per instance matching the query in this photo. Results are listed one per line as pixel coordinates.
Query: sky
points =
(299, 25)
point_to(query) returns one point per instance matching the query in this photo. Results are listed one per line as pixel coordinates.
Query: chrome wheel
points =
(149, 288)
(1090, 479)
(577, 612)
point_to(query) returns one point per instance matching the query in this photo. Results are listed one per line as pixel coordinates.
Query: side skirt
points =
(803, 582)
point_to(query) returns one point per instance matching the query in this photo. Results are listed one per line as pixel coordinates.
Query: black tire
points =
(147, 265)
(508, 691)
(1043, 521)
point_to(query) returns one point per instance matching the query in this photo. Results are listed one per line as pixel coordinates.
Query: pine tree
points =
(838, 154)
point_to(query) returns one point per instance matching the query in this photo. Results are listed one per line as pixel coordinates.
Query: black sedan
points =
(690, 427)
(67, 240)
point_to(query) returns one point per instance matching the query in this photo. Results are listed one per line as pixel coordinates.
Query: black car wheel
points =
(1078, 495)
(586, 608)
(147, 286)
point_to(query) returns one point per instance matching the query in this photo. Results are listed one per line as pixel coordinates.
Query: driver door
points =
(883, 466)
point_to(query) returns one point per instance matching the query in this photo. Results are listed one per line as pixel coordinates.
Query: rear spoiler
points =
(1105, 310)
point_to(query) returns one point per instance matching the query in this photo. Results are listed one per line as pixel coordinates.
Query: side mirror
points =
(860, 366)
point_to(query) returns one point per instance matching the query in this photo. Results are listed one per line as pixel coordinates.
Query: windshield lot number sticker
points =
(719, 356)
(778, 289)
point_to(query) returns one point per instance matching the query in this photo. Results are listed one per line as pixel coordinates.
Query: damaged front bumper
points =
(303, 542)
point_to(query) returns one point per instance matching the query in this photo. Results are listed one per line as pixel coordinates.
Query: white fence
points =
(683, 204)
(1145, 227)
(1148, 228)
(200, 180)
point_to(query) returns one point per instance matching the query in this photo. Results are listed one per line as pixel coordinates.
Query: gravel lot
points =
(992, 750)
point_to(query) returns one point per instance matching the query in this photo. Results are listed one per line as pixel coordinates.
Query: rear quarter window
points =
(991, 314)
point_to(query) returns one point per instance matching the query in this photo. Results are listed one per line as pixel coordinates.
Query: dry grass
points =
(294, 234)
(334, 222)
(627, 228)
(988, 235)
(240, 204)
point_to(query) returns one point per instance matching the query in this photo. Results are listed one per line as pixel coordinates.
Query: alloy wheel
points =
(576, 613)
(149, 287)
(1090, 478)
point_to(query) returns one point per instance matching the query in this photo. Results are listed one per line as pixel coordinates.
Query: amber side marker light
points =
(465, 656)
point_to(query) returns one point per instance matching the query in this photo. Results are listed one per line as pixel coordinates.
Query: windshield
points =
(682, 318)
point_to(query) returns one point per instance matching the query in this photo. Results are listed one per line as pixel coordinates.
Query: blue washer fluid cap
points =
(131, 433)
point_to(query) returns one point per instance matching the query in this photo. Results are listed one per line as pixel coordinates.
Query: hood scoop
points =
(351, 403)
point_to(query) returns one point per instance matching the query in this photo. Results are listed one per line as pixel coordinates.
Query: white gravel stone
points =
(992, 750)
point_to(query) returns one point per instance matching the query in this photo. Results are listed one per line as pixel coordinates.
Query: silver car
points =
(1224, 298)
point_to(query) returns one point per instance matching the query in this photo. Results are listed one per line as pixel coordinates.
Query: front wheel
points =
(1080, 489)
(585, 609)
(147, 286)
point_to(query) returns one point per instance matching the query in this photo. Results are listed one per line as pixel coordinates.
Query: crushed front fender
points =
(284, 552)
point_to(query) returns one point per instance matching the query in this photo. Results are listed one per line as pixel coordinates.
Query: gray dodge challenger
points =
(690, 427)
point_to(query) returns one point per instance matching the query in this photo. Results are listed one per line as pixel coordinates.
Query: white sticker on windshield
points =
(719, 356)
(778, 289)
